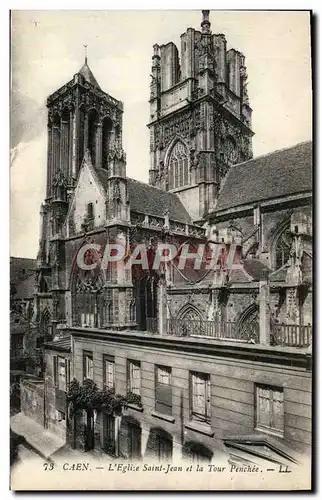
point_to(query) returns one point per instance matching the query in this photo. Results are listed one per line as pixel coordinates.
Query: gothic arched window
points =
(248, 324)
(282, 249)
(107, 140)
(145, 303)
(178, 166)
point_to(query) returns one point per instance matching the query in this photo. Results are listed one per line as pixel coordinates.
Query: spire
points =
(85, 47)
(205, 23)
(86, 72)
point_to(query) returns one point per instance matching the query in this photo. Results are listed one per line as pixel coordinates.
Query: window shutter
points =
(264, 411)
(135, 377)
(90, 368)
(199, 394)
(278, 410)
(208, 397)
(109, 374)
(61, 373)
(67, 373)
(55, 370)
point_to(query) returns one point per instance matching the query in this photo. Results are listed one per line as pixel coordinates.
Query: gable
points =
(88, 190)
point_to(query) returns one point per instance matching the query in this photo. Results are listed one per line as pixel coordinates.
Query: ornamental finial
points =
(85, 47)
(205, 23)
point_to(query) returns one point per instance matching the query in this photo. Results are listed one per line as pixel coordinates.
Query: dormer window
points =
(90, 211)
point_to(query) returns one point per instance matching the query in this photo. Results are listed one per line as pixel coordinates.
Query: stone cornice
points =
(288, 356)
(264, 205)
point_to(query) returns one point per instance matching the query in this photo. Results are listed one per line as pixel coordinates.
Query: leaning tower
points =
(82, 119)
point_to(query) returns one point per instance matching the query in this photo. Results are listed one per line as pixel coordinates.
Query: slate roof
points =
(61, 344)
(154, 201)
(283, 172)
(150, 200)
(25, 289)
(20, 268)
(256, 269)
(86, 72)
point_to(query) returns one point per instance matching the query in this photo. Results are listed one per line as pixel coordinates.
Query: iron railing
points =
(291, 335)
(246, 332)
(282, 335)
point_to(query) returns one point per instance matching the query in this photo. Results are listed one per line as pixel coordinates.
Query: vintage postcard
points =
(161, 250)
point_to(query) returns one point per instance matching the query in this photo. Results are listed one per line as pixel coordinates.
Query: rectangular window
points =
(270, 409)
(134, 376)
(60, 416)
(200, 396)
(109, 371)
(90, 211)
(163, 390)
(88, 365)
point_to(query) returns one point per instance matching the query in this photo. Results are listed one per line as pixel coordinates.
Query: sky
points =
(47, 50)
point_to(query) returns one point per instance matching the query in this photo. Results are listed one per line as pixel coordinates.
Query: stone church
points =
(206, 188)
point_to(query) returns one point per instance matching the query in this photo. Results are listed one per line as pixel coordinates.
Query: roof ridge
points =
(24, 258)
(153, 187)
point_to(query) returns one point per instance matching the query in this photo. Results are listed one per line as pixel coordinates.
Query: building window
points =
(90, 211)
(109, 371)
(60, 415)
(270, 409)
(88, 365)
(164, 447)
(178, 172)
(109, 433)
(134, 377)
(163, 390)
(39, 342)
(200, 396)
(61, 370)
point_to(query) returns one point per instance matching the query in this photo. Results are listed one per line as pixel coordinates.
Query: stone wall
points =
(32, 399)
(54, 398)
(233, 385)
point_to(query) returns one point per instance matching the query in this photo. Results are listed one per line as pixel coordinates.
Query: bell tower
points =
(82, 119)
(80, 116)
(200, 116)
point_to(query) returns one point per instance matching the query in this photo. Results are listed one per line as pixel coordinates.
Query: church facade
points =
(218, 359)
